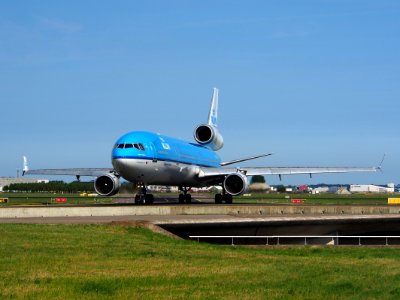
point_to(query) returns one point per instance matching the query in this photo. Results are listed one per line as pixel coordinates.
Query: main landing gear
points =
(143, 197)
(185, 197)
(224, 197)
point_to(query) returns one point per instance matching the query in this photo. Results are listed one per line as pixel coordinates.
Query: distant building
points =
(162, 188)
(303, 188)
(370, 188)
(322, 189)
(4, 181)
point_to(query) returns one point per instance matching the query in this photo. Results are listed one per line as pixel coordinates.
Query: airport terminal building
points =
(4, 181)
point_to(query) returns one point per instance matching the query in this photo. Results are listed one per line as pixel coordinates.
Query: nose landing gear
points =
(143, 197)
(185, 197)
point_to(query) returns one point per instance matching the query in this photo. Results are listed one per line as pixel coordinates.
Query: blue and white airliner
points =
(147, 158)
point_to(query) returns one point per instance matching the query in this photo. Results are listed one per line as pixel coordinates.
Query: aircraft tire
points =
(149, 198)
(188, 198)
(181, 198)
(218, 198)
(137, 199)
(228, 198)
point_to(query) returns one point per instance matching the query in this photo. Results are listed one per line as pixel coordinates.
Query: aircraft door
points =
(153, 152)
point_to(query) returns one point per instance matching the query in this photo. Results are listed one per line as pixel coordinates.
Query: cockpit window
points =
(126, 146)
(139, 147)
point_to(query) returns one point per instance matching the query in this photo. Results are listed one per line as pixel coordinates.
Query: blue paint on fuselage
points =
(160, 147)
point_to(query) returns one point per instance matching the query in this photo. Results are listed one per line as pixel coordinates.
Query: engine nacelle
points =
(236, 184)
(208, 136)
(107, 185)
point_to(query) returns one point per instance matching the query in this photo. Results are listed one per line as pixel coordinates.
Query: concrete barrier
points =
(165, 210)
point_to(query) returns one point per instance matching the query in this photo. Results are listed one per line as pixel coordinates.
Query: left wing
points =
(211, 172)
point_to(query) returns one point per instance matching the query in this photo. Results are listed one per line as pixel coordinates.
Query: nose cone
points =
(117, 158)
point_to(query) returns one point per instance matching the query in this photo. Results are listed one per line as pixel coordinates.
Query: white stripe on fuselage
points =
(157, 172)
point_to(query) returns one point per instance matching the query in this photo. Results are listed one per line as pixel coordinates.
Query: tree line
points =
(51, 187)
(61, 187)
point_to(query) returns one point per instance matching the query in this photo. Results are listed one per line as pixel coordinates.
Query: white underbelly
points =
(157, 172)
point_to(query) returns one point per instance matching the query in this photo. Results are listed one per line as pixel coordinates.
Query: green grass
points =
(47, 199)
(103, 261)
(324, 198)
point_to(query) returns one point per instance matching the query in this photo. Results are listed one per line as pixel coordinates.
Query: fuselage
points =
(151, 158)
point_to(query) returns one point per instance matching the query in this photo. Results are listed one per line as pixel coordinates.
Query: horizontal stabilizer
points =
(244, 159)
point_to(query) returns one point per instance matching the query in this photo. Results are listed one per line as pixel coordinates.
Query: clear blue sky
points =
(315, 82)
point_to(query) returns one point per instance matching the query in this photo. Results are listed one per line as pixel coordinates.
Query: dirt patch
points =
(148, 225)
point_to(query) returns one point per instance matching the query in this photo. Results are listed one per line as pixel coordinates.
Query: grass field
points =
(104, 261)
(323, 198)
(48, 198)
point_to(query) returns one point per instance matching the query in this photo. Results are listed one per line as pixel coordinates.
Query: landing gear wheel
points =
(228, 198)
(149, 199)
(218, 198)
(137, 199)
(188, 198)
(181, 198)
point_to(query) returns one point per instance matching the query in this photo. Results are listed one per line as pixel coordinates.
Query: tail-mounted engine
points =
(107, 185)
(208, 136)
(236, 184)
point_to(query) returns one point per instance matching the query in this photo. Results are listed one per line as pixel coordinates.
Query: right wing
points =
(252, 171)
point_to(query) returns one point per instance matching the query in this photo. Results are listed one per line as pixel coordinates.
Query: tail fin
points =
(213, 115)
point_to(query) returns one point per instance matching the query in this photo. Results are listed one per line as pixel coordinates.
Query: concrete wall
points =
(166, 210)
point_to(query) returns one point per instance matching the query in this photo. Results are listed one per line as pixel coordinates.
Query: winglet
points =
(25, 168)
(380, 165)
(213, 115)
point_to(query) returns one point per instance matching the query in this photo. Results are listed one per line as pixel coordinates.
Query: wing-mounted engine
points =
(208, 136)
(236, 184)
(107, 185)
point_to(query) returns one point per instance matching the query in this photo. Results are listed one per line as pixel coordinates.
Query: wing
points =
(94, 172)
(217, 172)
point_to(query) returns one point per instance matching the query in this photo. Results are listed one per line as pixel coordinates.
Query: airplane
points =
(148, 158)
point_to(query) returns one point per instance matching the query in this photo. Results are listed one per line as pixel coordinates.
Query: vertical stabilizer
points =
(213, 116)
